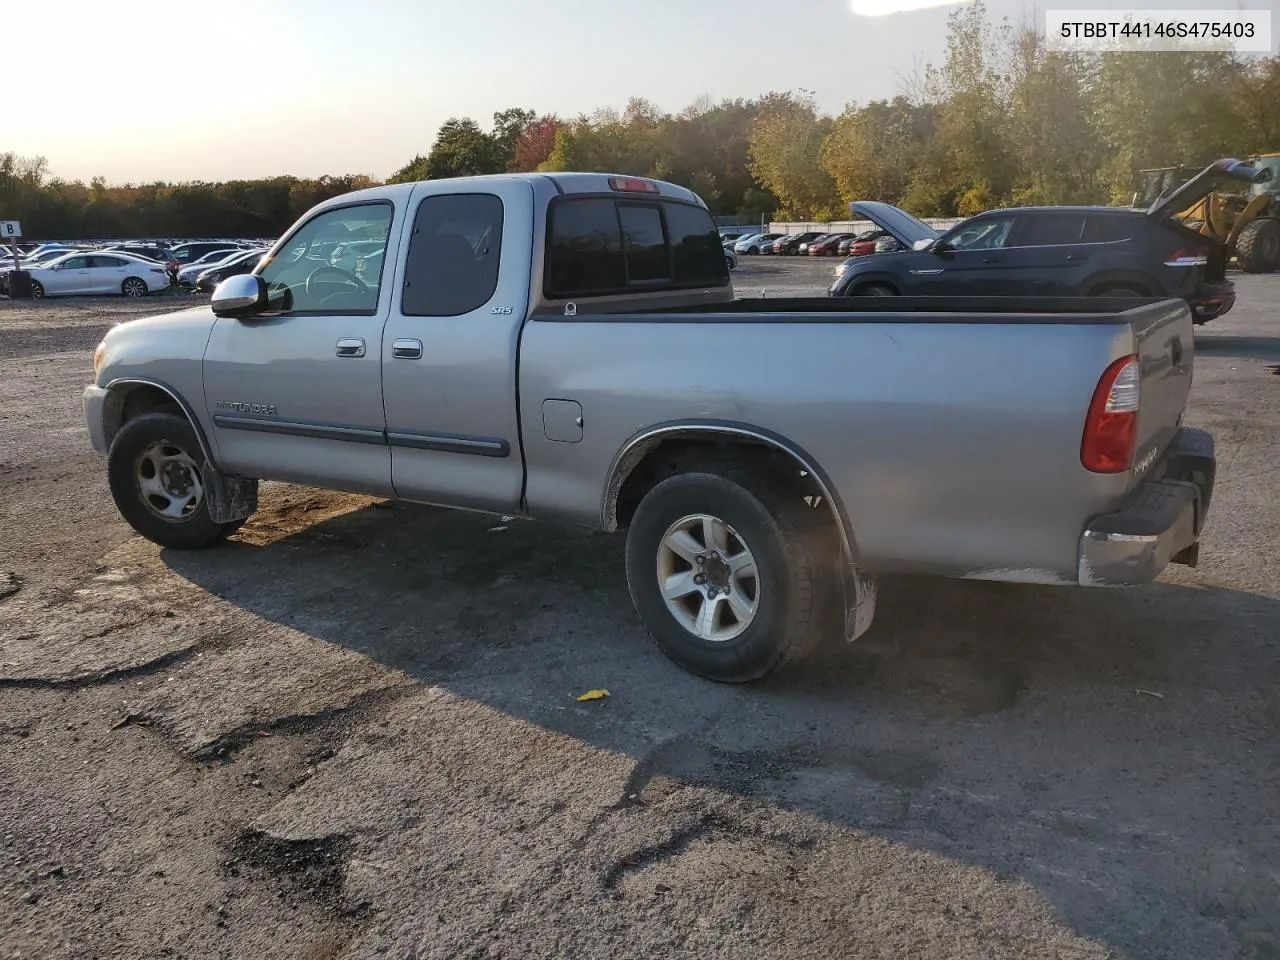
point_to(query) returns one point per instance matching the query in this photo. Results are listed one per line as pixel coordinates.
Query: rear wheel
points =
(1120, 291)
(729, 571)
(133, 287)
(155, 471)
(1258, 247)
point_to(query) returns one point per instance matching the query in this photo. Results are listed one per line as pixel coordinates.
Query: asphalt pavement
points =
(352, 732)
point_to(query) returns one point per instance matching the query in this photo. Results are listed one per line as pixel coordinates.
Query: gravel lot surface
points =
(352, 732)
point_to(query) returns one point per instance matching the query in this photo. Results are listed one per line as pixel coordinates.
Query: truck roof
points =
(562, 183)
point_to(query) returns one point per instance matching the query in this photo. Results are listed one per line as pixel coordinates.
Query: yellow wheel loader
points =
(1247, 224)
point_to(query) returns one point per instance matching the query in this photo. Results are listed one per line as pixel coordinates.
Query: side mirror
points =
(239, 296)
(940, 246)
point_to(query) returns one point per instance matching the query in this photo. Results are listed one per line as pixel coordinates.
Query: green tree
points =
(786, 143)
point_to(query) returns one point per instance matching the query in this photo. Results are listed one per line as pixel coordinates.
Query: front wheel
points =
(729, 571)
(156, 473)
(876, 290)
(133, 287)
(37, 291)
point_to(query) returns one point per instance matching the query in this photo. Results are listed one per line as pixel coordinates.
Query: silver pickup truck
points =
(568, 347)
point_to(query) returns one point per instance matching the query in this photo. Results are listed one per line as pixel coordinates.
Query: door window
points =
(301, 279)
(1050, 230)
(107, 262)
(985, 234)
(76, 263)
(454, 252)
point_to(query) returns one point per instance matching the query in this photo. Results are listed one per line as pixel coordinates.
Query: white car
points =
(98, 273)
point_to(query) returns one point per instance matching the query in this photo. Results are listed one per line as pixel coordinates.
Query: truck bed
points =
(950, 428)
(1048, 310)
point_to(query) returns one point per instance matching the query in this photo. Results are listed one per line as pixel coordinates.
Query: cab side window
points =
(301, 279)
(454, 254)
(987, 234)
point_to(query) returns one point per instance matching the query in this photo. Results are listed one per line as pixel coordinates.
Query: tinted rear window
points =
(1050, 229)
(1104, 229)
(599, 246)
(643, 244)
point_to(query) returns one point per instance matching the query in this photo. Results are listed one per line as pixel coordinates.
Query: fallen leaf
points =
(593, 695)
(1150, 693)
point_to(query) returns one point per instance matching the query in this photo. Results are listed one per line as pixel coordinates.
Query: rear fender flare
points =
(643, 442)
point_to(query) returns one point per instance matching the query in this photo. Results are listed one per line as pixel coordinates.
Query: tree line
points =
(1002, 120)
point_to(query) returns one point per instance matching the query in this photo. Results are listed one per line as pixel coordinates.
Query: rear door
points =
(450, 342)
(1048, 255)
(107, 273)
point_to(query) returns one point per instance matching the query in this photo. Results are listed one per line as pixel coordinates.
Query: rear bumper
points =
(1158, 523)
(1212, 300)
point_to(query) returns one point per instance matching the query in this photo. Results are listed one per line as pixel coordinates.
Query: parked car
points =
(755, 244)
(860, 245)
(826, 246)
(187, 275)
(789, 246)
(730, 259)
(1055, 252)
(150, 251)
(234, 265)
(46, 254)
(802, 249)
(188, 253)
(1006, 439)
(100, 273)
(888, 245)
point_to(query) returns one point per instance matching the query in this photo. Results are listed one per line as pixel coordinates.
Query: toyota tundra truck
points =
(568, 348)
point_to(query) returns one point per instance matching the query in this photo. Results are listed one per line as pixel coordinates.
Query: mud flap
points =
(228, 498)
(859, 601)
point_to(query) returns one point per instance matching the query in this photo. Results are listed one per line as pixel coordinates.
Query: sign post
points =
(11, 231)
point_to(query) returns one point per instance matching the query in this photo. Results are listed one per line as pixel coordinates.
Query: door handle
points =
(990, 259)
(350, 347)
(406, 349)
(1072, 258)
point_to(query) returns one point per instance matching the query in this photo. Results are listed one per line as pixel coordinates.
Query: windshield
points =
(1272, 185)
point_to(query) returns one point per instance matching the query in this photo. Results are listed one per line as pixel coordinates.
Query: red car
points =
(828, 245)
(863, 244)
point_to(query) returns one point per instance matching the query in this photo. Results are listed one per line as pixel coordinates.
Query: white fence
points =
(853, 226)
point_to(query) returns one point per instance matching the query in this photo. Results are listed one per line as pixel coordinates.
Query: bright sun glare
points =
(883, 8)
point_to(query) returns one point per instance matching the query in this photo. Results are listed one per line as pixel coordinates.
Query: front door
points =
(450, 343)
(295, 392)
(973, 263)
(71, 276)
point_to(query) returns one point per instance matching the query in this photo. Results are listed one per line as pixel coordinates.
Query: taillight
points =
(1188, 258)
(1111, 427)
(632, 185)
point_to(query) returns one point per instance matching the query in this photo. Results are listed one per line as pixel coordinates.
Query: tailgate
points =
(1165, 346)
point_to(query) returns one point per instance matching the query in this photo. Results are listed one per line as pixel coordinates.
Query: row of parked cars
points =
(813, 244)
(134, 268)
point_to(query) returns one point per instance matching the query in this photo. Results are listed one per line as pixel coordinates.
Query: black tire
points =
(795, 552)
(193, 531)
(875, 290)
(134, 287)
(37, 291)
(1258, 247)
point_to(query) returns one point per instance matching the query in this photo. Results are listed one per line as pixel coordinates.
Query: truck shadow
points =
(1231, 345)
(1076, 740)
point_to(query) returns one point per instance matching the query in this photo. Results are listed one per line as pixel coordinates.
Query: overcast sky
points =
(139, 90)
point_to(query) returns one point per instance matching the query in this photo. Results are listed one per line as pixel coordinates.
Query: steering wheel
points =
(346, 276)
